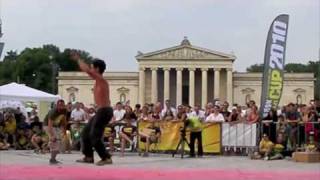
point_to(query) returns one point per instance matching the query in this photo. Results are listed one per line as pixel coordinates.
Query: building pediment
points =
(184, 51)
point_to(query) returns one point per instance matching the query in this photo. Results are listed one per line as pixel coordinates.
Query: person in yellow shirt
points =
(265, 148)
(10, 126)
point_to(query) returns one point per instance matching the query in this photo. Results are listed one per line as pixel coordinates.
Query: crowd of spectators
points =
(292, 123)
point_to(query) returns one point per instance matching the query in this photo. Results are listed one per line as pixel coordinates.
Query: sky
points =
(115, 30)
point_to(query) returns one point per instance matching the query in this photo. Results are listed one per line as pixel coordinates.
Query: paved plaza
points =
(16, 165)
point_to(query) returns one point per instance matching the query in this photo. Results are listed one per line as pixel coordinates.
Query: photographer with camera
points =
(194, 123)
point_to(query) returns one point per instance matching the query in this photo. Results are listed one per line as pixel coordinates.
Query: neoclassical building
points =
(185, 74)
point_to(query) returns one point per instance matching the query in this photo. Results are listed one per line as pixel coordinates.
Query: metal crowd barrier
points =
(239, 137)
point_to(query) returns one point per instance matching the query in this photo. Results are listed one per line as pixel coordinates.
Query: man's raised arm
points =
(84, 66)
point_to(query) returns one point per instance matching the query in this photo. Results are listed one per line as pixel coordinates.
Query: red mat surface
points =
(23, 172)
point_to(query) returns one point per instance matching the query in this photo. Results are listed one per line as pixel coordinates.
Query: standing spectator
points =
(156, 115)
(181, 115)
(91, 113)
(68, 115)
(208, 108)
(188, 110)
(168, 111)
(56, 129)
(253, 116)
(119, 112)
(269, 124)
(144, 116)
(293, 117)
(224, 110)
(78, 114)
(215, 115)
(234, 116)
(18, 116)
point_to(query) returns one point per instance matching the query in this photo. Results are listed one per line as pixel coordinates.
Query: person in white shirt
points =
(78, 114)
(168, 110)
(197, 112)
(118, 113)
(215, 115)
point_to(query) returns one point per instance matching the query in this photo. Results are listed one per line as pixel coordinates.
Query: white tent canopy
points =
(20, 92)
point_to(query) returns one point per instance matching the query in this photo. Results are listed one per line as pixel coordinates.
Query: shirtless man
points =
(92, 133)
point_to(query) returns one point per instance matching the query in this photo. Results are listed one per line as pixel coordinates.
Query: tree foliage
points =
(38, 67)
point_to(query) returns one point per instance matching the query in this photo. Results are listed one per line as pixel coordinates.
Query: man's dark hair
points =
(100, 64)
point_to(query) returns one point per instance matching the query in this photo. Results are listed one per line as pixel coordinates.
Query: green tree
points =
(38, 67)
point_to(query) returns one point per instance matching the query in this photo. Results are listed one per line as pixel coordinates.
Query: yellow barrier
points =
(170, 136)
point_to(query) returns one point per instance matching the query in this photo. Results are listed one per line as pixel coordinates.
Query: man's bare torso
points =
(101, 93)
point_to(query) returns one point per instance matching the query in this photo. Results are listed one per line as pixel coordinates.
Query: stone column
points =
(229, 86)
(166, 93)
(204, 87)
(154, 85)
(217, 83)
(191, 86)
(141, 85)
(179, 86)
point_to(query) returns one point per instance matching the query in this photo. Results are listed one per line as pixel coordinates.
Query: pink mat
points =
(23, 172)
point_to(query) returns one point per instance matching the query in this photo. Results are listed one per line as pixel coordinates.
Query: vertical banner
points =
(274, 63)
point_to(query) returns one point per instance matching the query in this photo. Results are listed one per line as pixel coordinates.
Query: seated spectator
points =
(40, 142)
(36, 125)
(128, 132)
(253, 116)
(277, 149)
(109, 135)
(118, 113)
(149, 135)
(137, 110)
(215, 115)
(22, 141)
(10, 127)
(130, 115)
(265, 148)
(3, 142)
